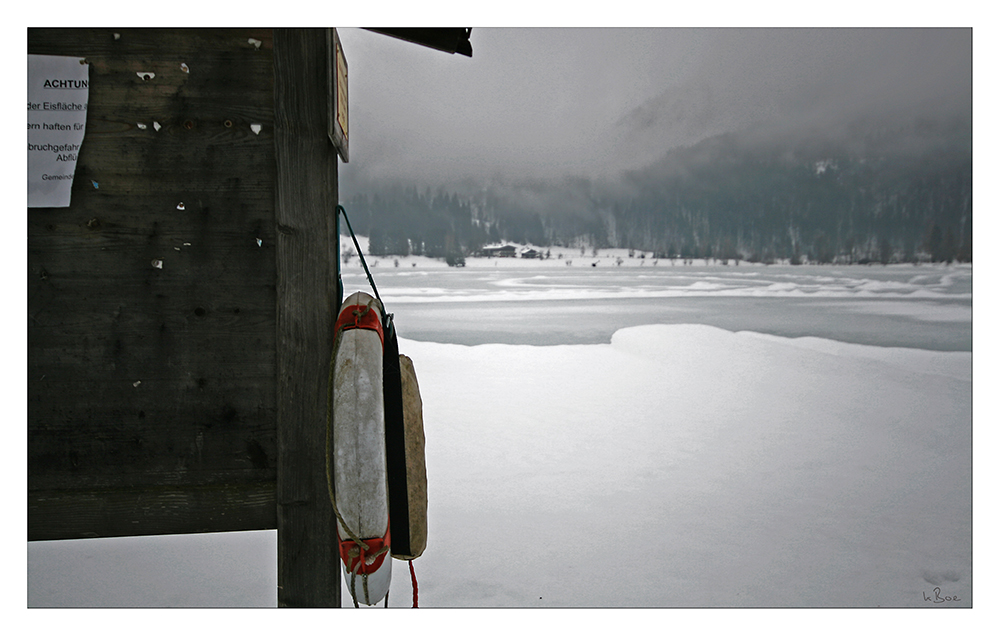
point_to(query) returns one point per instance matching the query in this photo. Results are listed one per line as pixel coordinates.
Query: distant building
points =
(530, 253)
(505, 251)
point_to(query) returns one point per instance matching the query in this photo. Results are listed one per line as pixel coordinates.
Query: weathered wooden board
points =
(152, 298)
(308, 559)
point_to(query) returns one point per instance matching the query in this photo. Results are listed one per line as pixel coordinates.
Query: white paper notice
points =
(58, 88)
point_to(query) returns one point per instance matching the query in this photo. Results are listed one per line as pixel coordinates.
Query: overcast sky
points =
(546, 102)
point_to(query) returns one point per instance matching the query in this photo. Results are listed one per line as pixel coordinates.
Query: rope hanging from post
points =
(361, 255)
(413, 581)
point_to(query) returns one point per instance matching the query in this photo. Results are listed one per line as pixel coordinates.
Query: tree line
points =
(728, 197)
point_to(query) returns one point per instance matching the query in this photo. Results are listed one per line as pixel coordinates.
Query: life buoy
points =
(359, 464)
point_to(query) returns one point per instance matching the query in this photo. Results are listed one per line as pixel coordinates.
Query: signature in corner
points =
(937, 598)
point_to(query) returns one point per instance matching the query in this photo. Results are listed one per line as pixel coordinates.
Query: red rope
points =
(413, 581)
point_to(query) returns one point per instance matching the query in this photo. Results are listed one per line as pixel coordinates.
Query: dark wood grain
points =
(151, 390)
(162, 510)
(308, 561)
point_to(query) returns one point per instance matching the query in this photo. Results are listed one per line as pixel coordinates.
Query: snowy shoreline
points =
(563, 257)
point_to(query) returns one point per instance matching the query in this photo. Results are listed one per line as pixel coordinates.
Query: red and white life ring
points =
(359, 462)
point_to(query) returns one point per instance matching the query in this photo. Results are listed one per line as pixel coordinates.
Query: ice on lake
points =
(545, 302)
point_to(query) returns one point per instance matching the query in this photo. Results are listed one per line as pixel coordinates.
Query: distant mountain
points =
(868, 192)
(864, 190)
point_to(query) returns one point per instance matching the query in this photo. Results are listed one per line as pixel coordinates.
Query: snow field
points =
(677, 465)
(690, 466)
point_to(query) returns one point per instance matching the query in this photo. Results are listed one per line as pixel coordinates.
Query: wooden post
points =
(308, 561)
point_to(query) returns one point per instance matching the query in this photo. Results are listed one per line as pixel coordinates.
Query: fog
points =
(593, 102)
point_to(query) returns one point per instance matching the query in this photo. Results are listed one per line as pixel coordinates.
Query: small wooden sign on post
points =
(336, 76)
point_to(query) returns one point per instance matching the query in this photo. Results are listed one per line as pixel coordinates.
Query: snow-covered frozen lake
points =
(545, 302)
(646, 436)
